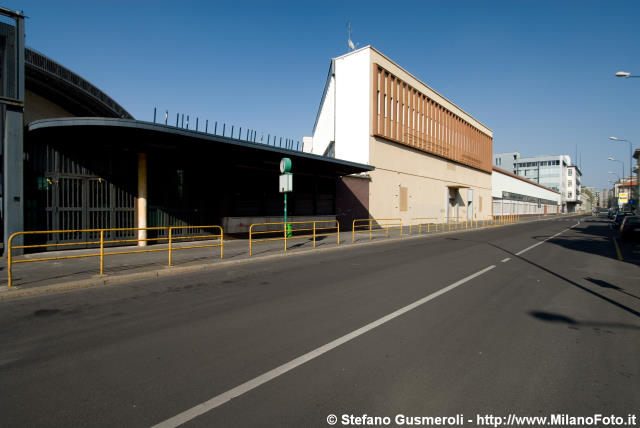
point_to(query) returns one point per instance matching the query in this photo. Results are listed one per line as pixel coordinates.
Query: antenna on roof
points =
(349, 42)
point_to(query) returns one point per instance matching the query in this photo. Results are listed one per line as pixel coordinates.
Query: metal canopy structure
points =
(142, 136)
(62, 86)
(85, 173)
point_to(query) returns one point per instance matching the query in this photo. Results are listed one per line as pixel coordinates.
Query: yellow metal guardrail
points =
(454, 223)
(421, 221)
(172, 238)
(391, 223)
(504, 219)
(301, 230)
(102, 242)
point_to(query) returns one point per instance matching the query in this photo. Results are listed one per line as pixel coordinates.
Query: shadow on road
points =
(595, 238)
(575, 284)
(605, 284)
(558, 318)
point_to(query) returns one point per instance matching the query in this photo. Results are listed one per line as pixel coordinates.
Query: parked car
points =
(617, 220)
(630, 228)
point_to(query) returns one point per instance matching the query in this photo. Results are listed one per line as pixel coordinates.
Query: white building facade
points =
(431, 158)
(555, 172)
(574, 189)
(513, 194)
(506, 161)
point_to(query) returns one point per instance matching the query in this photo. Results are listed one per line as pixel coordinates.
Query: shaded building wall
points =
(352, 200)
(71, 184)
(37, 107)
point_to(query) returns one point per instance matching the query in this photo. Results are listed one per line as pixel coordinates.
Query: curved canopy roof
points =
(62, 86)
(148, 137)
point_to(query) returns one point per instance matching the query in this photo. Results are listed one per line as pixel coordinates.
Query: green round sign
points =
(285, 165)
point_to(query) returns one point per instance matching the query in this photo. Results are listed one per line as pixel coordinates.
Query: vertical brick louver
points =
(403, 114)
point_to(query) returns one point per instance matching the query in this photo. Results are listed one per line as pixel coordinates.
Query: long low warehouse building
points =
(513, 194)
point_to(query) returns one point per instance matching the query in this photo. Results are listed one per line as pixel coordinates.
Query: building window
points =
(570, 172)
(570, 195)
(570, 183)
(404, 198)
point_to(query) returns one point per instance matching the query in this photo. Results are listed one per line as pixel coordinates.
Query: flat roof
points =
(510, 174)
(149, 136)
(418, 80)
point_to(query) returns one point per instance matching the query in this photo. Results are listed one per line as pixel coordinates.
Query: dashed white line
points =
(241, 389)
(505, 260)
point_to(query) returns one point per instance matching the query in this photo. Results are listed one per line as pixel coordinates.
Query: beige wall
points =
(426, 178)
(37, 107)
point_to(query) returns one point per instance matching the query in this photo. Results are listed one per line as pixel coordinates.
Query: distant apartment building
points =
(596, 195)
(574, 189)
(506, 161)
(555, 172)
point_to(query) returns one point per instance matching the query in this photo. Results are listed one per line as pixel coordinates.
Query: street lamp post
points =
(630, 161)
(611, 158)
(626, 75)
(616, 187)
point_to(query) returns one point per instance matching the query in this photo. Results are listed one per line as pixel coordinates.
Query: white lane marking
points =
(505, 260)
(218, 400)
(542, 242)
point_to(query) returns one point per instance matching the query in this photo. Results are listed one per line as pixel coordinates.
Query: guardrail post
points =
(221, 243)
(250, 227)
(353, 232)
(101, 251)
(314, 234)
(285, 235)
(338, 230)
(370, 229)
(401, 231)
(170, 243)
(9, 260)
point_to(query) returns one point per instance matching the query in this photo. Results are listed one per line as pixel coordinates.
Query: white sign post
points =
(286, 186)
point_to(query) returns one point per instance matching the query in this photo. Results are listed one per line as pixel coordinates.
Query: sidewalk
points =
(49, 276)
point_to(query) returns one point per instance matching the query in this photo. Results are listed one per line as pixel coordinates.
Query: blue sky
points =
(540, 74)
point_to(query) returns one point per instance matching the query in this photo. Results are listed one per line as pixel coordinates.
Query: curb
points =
(17, 293)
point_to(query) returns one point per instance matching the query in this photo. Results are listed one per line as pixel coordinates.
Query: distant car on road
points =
(630, 228)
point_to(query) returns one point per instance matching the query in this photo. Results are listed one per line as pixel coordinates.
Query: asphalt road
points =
(553, 329)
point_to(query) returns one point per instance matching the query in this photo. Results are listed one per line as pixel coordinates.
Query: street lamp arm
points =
(625, 74)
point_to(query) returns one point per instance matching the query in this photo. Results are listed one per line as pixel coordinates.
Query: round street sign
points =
(285, 165)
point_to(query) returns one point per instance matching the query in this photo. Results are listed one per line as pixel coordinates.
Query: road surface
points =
(533, 319)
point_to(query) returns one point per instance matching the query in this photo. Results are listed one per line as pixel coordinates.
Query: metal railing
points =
(101, 242)
(423, 221)
(194, 237)
(505, 219)
(293, 230)
(380, 224)
(454, 223)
